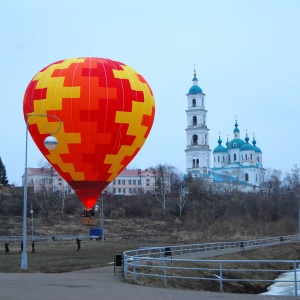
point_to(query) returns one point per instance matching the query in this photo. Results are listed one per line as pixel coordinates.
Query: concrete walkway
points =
(99, 283)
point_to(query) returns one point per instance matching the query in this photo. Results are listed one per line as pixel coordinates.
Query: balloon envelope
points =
(100, 111)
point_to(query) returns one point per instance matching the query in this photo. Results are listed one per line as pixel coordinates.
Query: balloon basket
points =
(88, 221)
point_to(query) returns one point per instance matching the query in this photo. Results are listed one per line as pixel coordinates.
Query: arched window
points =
(194, 120)
(234, 156)
(218, 158)
(246, 177)
(193, 163)
(195, 139)
(197, 163)
(194, 102)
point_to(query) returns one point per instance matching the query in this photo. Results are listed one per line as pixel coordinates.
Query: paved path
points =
(99, 283)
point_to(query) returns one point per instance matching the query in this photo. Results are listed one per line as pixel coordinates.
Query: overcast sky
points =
(246, 55)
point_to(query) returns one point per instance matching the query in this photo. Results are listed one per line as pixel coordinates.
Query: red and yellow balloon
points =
(104, 110)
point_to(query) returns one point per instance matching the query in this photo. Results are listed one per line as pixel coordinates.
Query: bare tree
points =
(42, 198)
(181, 197)
(162, 186)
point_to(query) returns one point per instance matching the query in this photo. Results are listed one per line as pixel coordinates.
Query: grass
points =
(62, 256)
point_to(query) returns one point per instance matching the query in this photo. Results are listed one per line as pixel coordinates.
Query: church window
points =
(246, 177)
(218, 158)
(193, 163)
(214, 159)
(234, 156)
(202, 103)
(223, 158)
(197, 163)
(246, 156)
(195, 139)
(229, 157)
(194, 102)
(251, 156)
(194, 120)
(205, 139)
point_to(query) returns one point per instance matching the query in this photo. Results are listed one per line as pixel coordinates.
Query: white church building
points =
(238, 162)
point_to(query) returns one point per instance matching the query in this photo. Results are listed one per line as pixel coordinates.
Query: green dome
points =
(235, 144)
(220, 148)
(255, 148)
(195, 89)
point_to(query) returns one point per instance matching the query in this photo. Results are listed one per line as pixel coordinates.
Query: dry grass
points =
(62, 256)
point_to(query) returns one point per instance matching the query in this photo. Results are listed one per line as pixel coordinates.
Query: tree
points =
(162, 186)
(181, 196)
(3, 175)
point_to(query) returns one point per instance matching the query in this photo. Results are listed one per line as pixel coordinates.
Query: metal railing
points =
(16, 238)
(186, 261)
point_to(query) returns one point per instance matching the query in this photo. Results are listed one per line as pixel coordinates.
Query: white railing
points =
(160, 262)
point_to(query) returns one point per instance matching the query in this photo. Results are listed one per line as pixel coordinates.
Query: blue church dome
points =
(235, 143)
(195, 89)
(236, 127)
(255, 148)
(220, 148)
(247, 146)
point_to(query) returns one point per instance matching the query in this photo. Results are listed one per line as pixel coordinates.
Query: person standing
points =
(6, 247)
(78, 243)
(21, 247)
(32, 247)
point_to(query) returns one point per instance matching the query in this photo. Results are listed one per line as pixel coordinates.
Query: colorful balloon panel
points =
(100, 111)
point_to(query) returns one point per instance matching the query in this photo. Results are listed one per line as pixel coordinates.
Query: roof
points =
(247, 147)
(235, 143)
(195, 89)
(137, 172)
(220, 148)
(39, 171)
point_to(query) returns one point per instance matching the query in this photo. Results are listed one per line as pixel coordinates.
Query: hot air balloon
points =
(100, 111)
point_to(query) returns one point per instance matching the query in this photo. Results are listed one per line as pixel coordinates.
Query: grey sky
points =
(246, 55)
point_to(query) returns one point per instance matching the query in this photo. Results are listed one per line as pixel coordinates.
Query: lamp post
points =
(50, 143)
(101, 215)
(31, 212)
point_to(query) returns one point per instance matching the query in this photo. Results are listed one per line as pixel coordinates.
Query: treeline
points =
(273, 210)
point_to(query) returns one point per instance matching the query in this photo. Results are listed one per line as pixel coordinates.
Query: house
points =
(46, 179)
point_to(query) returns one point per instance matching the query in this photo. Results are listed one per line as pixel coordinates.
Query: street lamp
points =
(50, 143)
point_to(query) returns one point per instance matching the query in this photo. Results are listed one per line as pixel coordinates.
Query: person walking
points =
(78, 243)
(32, 247)
(21, 247)
(6, 247)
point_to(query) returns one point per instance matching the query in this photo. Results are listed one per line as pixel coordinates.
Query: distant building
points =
(133, 182)
(46, 179)
(237, 164)
(129, 182)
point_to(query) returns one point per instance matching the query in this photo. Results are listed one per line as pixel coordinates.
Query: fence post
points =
(125, 267)
(165, 273)
(221, 277)
(134, 269)
(295, 278)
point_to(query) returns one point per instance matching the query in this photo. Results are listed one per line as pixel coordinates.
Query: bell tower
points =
(197, 148)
